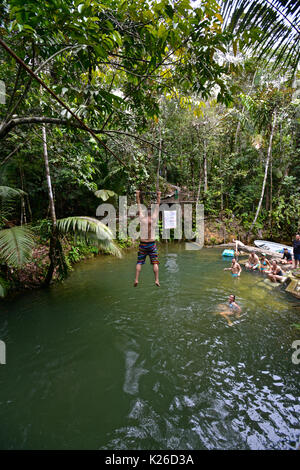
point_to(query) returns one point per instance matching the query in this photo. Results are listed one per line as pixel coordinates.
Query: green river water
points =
(94, 363)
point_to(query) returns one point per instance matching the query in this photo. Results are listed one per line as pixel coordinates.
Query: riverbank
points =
(217, 232)
(32, 274)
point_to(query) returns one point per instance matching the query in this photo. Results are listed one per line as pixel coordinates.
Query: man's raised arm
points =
(156, 209)
(138, 200)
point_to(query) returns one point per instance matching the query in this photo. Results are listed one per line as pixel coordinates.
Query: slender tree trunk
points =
(29, 207)
(238, 127)
(48, 177)
(200, 169)
(23, 209)
(267, 202)
(53, 238)
(271, 195)
(199, 185)
(159, 160)
(56, 255)
(266, 173)
(205, 167)
(220, 172)
(193, 177)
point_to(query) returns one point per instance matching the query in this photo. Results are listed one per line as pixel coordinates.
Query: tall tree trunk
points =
(56, 255)
(199, 185)
(271, 195)
(48, 177)
(220, 172)
(23, 209)
(29, 207)
(267, 202)
(238, 127)
(266, 172)
(205, 167)
(193, 176)
(159, 160)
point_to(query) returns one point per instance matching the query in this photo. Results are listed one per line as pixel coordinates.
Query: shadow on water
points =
(96, 363)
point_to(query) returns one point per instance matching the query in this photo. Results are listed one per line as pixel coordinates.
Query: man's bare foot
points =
(135, 283)
(157, 283)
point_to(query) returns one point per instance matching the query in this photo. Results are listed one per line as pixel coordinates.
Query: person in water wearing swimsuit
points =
(276, 273)
(234, 309)
(235, 268)
(253, 262)
(265, 264)
(148, 222)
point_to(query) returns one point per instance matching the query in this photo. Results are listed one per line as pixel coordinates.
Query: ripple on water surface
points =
(96, 363)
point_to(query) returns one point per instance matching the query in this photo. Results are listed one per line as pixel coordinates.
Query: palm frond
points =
(16, 245)
(7, 202)
(90, 229)
(8, 192)
(276, 26)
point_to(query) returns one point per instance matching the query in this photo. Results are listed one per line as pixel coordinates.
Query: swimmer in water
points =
(264, 263)
(276, 273)
(234, 309)
(148, 222)
(235, 268)
(253, 262)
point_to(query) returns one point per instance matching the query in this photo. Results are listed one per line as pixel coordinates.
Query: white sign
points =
(170, 219)
(2, 353)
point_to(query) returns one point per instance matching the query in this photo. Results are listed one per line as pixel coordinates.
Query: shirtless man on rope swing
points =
(148, 222)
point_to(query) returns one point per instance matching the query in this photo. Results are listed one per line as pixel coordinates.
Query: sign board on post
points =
(170, 219)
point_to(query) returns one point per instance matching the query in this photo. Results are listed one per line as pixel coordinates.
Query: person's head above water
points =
(231, 298)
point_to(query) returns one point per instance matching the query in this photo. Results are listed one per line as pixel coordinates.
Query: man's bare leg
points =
(137, 273)
(155, 270)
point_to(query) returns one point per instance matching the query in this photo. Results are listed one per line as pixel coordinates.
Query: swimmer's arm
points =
(137, 193)
(237, 307)
(140, 209)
